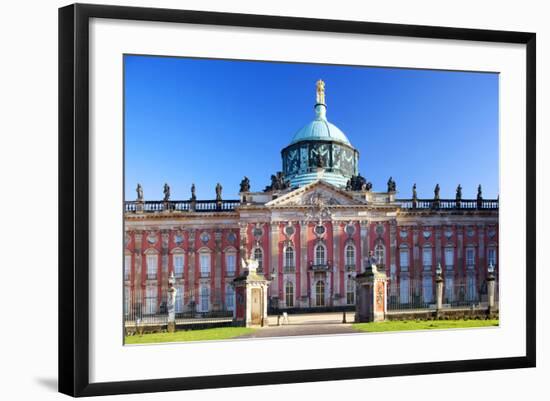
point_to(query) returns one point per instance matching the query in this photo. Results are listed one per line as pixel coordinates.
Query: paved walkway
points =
(305, 325)
(300, 330)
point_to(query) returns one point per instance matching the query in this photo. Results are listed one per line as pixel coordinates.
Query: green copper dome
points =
(319, 151)
(320, 129)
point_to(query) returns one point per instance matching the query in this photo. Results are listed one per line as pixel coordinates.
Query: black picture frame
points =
(74, 198)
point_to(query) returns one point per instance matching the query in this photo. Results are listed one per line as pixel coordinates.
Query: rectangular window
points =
(126, 301)
(127, 265)
(230, 264)
(404, 290)
(179, 299)
(229, 298)
(492, 257)
(404, 259)
(427, 258)
(350, 293)
(448, 290)
(151, 301)
(205, 264)
(449, 258)
(427, 289)
(470, 258)
(178, 265)
(471, 289)
(152, 266)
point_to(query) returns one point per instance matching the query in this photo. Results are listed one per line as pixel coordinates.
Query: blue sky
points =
(207, 121)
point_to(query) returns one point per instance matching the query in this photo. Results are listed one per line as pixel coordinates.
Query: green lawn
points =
(220, 333)
(401, 325)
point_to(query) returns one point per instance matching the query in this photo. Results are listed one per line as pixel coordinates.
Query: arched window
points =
(289, 294)
(350, 291)
(230, 263)
(380, 254)
(350, 256)
(259, 256)
(320, 293)
(289, 257)
(320, 255)
(229, 297)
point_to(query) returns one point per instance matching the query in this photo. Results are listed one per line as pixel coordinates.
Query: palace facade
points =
(311, 231)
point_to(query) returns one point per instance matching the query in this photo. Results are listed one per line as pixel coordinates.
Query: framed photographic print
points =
(278, 199)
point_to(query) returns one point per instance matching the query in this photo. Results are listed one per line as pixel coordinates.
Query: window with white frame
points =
(320, 255)
(350, 256)
(491, 257)
(230, 264)
(404, 290)
(289, 257)
(449, 258)
(204, 298)
(320, 293)
(350, 291)
(126, 300)
(152, 266)
(404, 259)
(289, 294)
(471, 289)
(259, 256)
(380, 254)
(178, 265)
(151, 301)
(205, 264)
(449, 289)
(229, 297)
(470, 258)
(427, 289)
(179, 299)
(427, 258)
(127, 265)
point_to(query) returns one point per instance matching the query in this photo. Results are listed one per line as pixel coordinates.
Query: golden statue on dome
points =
(320, 92)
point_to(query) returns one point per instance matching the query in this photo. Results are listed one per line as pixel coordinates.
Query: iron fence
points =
(146, 308)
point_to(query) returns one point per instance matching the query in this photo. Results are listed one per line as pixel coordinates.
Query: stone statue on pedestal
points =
(166, 191)
(245, 185)
(139, 191)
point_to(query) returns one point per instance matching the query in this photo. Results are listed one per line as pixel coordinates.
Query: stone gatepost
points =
(251, 296)
(371, 294)
(438, 291)
(491, 308)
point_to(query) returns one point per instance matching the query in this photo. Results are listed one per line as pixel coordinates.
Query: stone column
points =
(303, 263)
(392, 247)
(165, 236)
(274, 261)
(364, 243)
(191, 272)
(337, 264)
(417, 267)
(171, 304)
(138, 290)
(491, 307)
(217, 270)
(371, 295)
(438, 292)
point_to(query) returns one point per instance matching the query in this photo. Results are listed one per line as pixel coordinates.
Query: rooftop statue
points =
(245, 185)
(459, 192)
(436, 192)
(193, 195)
(218, 192)
(278, 182)
(391, 185)
(139, 191)
(358, 183)
(414, 191)
(479, 196)
(166, 191)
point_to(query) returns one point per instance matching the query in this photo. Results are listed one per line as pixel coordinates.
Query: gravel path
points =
(301, 330)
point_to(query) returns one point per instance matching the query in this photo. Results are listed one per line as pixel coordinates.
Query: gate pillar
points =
(251, 296)
(371, 294)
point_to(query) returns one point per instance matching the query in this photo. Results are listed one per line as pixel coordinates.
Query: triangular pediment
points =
(318, 192)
